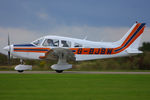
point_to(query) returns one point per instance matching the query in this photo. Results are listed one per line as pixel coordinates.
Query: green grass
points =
(74, 87)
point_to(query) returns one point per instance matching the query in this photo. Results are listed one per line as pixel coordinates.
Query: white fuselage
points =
(79, 57)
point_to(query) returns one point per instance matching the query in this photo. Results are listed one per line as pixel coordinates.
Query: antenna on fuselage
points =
(85, 38)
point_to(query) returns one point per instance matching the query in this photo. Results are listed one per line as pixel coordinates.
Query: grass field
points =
(74, 87)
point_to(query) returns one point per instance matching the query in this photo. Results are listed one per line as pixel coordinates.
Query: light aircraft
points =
(64, 49)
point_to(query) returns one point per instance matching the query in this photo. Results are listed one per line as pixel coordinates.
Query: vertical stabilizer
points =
(132, 38)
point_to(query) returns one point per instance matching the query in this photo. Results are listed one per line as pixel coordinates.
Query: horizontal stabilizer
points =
(133, 51)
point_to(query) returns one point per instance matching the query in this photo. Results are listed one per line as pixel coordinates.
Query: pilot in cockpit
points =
(50, 42)
(64, 43)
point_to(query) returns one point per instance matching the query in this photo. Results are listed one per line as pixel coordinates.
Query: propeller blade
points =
(9, 50)
(8, 40)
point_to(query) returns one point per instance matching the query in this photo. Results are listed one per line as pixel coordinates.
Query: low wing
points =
(55, 53)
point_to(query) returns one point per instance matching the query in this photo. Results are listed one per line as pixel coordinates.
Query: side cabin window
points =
(76, 45)
(51, 42)
(38, 42)
(65, 43)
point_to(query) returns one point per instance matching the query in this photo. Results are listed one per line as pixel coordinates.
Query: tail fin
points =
(132, 38)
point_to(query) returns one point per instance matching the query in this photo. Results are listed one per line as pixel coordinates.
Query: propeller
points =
(9, 50)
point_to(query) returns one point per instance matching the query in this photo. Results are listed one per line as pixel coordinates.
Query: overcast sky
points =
(99, 20)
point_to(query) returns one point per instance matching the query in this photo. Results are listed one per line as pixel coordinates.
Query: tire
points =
(59, 71)
(20, 71)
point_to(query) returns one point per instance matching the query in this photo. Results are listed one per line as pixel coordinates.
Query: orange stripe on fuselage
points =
(30, 48)
(33, 49)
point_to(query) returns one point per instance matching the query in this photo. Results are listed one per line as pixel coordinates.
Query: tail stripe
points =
(131, 33)
(132, 37)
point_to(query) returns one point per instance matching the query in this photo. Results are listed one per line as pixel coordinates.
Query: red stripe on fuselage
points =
(33, 49)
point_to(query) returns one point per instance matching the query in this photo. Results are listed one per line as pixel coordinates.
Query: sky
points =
(99, 20)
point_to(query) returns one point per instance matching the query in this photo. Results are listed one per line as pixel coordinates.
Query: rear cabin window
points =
(51, 42)
(65, 43)
(77, 45)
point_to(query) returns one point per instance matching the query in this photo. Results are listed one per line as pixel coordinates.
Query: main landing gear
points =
(21, 61)
(20, 71)
(62, 64)
(59, 71)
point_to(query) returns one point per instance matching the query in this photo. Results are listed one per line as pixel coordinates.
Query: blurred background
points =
(98, 20)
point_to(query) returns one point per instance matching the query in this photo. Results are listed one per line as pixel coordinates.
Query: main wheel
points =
(59, 71)
(20, 71)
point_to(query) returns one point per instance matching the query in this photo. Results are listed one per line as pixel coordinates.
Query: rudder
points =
(132, 38)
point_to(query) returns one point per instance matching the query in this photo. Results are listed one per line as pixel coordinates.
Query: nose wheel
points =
(21, 67)
(21, 61)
